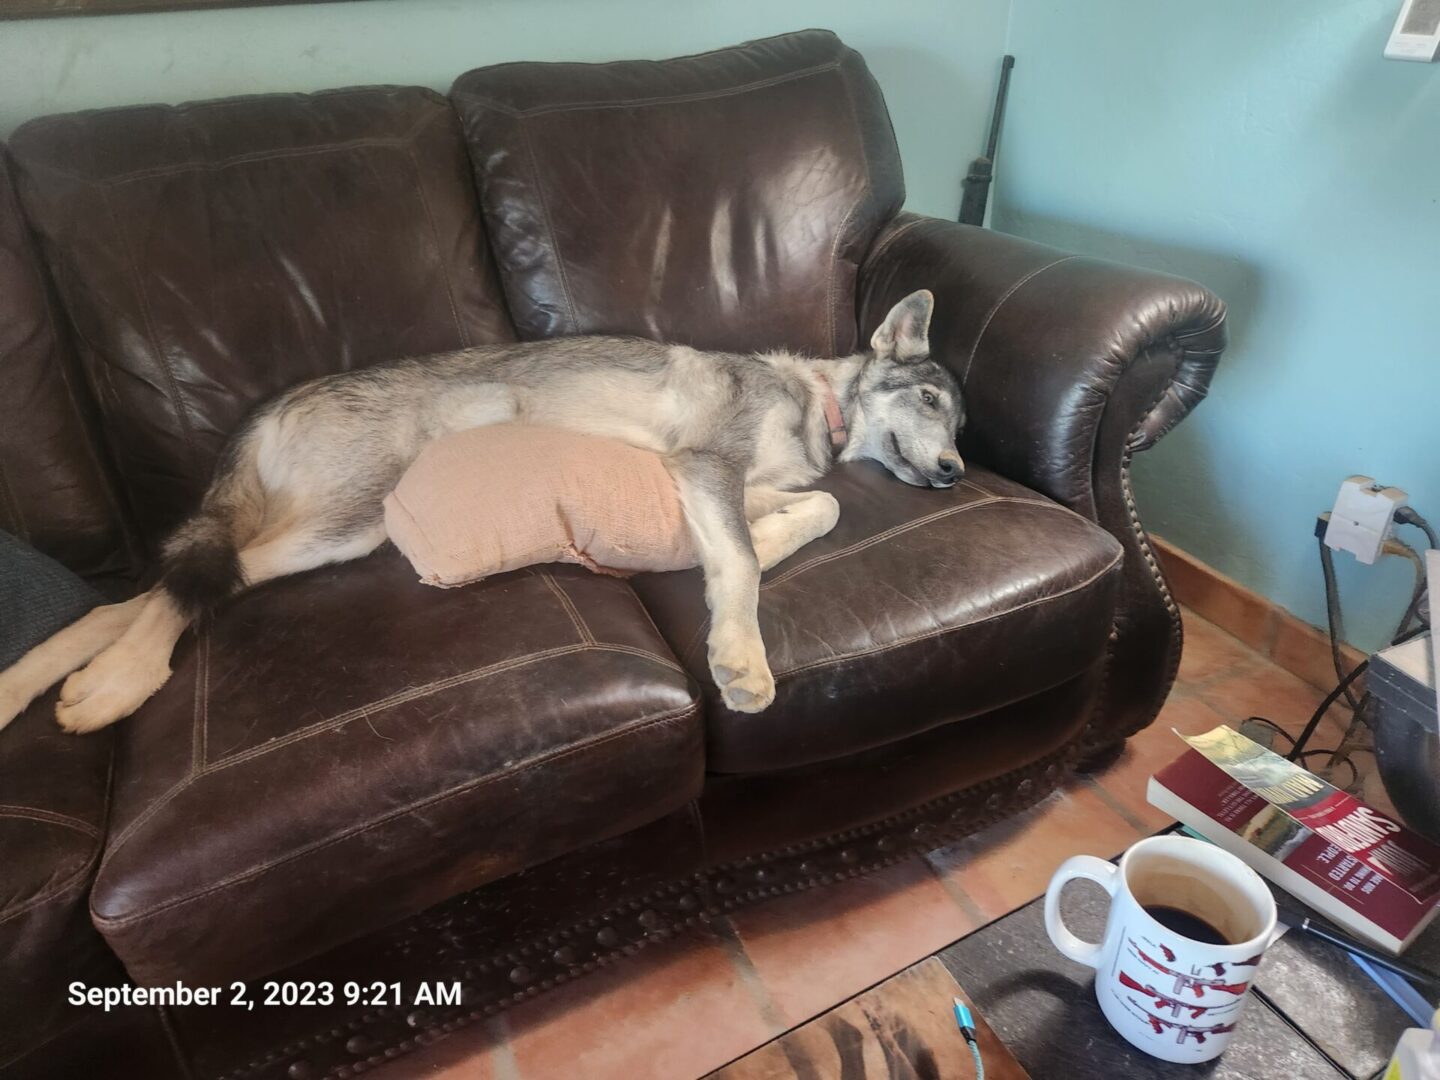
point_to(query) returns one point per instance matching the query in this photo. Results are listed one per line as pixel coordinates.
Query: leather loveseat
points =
(352, 776)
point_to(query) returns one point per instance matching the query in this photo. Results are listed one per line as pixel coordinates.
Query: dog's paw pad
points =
(744, 690)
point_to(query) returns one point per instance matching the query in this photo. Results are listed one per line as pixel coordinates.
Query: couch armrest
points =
(1069, 366)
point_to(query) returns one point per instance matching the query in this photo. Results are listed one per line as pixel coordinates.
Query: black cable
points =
(1406, 515)
(1324, 707)
(1334, 696)
(1333, 617)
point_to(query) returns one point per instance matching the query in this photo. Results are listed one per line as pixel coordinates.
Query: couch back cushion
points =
(723, 200)
(212, 254)
(55, 491)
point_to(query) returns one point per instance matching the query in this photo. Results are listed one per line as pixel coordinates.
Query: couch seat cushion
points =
(920, 608)
(342, 749)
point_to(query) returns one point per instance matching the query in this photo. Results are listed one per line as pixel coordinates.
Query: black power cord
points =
(1406, 515)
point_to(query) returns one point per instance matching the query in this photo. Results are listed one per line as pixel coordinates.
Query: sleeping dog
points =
(302, 482)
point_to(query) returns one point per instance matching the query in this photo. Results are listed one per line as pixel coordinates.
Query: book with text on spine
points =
(1362, 870)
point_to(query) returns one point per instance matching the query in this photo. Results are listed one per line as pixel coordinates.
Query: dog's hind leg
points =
(122, 677)
(782, 522)
(72, 648)
(712, 492)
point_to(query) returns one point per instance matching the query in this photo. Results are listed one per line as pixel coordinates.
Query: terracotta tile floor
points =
(684, 1008)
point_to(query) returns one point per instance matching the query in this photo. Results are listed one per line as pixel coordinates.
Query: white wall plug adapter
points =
(1363, 518)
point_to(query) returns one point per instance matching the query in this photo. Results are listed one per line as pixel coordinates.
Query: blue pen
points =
(967, 1028)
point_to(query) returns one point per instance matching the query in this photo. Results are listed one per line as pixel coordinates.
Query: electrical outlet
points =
(1363, 517)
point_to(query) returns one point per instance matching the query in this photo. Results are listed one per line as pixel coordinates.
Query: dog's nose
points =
(950, 466)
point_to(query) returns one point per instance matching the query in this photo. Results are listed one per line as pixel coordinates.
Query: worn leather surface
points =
(55, 490)
(54, 792)
(213, 254)
(344, 748)
(723, 200)
(920, 608)
(1069, 366)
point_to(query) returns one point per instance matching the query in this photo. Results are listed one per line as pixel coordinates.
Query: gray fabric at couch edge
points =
(38, 596)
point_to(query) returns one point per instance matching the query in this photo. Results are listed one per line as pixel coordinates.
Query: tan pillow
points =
(497, 498)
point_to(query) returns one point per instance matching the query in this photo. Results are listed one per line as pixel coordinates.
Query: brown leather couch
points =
(353, 776)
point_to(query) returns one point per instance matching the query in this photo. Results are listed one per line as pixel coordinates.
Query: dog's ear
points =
(904, 335)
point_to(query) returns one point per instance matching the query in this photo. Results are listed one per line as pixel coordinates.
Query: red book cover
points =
(1341, 883)
(1386, 846)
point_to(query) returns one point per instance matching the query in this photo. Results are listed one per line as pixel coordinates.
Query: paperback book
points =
(1364, 871)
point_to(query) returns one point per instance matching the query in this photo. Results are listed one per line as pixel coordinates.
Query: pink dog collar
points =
(834, 418)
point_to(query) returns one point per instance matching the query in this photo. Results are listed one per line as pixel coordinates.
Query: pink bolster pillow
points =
(491, 499)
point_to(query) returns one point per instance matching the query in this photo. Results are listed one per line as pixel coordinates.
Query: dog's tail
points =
(200, 565)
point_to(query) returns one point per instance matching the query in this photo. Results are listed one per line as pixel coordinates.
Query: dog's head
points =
(909, 405)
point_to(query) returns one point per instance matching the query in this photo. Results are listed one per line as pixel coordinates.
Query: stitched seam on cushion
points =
(699, 635)
(689, 654)
(176, 168)
(49, 817)
(644, 654)
(439, 250)
(646, 612)
(44, 898)
(560, 594)
(902, 528)
(181, 414)
(390, 701)
(150, 811)
(638, 103)
(476, 783)
(941, 631)
(322, 726)
(427, 690)
(201, 720)
(975, 348)
(550, 227)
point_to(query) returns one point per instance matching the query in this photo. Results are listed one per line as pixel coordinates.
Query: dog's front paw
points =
(742, 673)
(109, 688)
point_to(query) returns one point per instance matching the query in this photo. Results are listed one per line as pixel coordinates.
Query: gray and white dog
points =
(301, 484)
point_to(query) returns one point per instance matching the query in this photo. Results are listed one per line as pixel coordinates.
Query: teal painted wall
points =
(1269, 151)
(935, 59)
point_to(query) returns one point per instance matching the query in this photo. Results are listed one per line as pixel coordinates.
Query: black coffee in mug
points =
(1185, 924)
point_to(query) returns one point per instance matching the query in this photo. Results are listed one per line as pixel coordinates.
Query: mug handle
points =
(1104, 874)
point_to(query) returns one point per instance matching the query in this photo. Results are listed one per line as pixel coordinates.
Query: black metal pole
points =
(977, 181)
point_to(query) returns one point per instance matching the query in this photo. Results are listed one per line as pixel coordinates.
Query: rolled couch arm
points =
(1069, 366)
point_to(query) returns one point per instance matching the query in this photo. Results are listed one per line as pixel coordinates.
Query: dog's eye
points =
(927, 397)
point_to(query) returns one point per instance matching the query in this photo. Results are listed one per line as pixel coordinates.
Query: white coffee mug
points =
(1176, 997)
